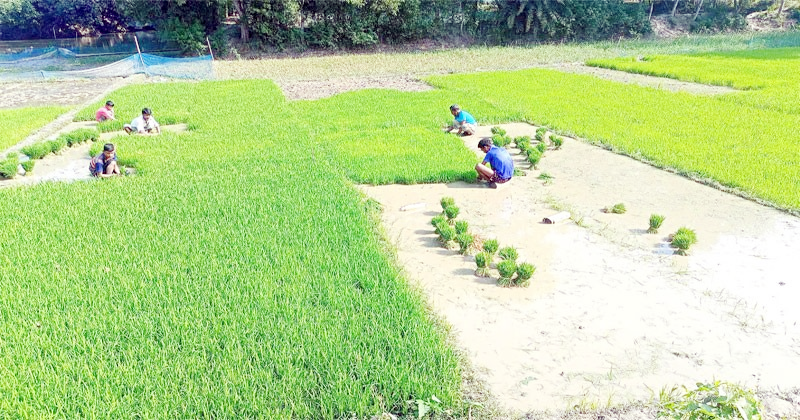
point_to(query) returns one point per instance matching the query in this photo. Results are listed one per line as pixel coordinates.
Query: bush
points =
(508, 253)
(715, 400)
(655, 222)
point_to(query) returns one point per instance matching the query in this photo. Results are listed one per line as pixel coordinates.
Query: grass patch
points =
(16, 124)
(241, 278)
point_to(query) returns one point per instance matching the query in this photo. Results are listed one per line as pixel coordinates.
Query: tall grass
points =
(16, 124)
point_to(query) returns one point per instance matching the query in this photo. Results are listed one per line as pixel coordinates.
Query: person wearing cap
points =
(105, 165)
(146, 124)
(501, 166)
(464, 121)
(106, 112)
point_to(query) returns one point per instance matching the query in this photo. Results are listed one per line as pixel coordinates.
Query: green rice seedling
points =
(508, 253)
(522, 141)
(28, 166)
(498, 130)
(447, 234)
(507, 269)
(36, 150)
(618, 208)
(540, 133)
(56, 145)
(501, 140)
(80, 136)
(483, 260)
(490, 246)
(524, 273)
(465, 241)
(541, 147)
(683, 239)
(655, 222)
(461, 226)
(557, 141)
(8, 166)
(18, 123)
(447, 202)
(534, 157)
(438, 220)
(546, 177)
(451, 212)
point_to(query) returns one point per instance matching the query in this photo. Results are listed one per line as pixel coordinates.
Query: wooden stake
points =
(209, 49)
(140, 52)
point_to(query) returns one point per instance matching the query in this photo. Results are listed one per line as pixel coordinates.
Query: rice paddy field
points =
(241, 275)
(17, 123)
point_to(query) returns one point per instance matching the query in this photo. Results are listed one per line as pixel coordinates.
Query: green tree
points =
(18, 19)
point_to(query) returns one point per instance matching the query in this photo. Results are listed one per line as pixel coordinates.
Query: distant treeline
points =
(353, 23)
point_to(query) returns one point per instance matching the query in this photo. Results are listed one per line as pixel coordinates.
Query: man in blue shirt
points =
(501, 165)
(105, 164)
(464, 121)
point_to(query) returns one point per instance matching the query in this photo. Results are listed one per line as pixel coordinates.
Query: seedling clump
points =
(557, 142)
(655, 222)
(618, 208)
(522, 142)
(490, 246)
(540, 133)
(499, 130)
(451, 212)
(534, 156)
(447, 202)
(482, 260)
(8, 166)
(507, 269)
(447, 234)
(683, 239)
(465, 241)
(541, 147)
(461, 226)
(28, 166)
(508, 253)
(524, 273)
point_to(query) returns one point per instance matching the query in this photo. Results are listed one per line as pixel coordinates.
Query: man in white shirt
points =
(145, 124)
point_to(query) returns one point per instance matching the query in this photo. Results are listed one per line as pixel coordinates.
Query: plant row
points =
(454, 234)
(534, 152)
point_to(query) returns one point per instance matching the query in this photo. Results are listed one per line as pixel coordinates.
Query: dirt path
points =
(611, 315)
(642, 80)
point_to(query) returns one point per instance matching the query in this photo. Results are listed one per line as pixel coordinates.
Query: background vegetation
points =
(360, 23)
